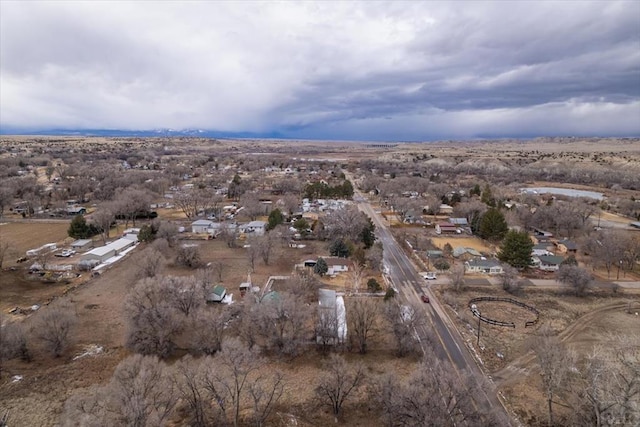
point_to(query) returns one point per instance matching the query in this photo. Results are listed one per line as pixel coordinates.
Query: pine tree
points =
(516, 249)
(321, 267)
(79, 229)
(493, 226)
(275, 219)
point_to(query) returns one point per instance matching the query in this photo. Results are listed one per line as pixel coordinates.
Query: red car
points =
(424, 298)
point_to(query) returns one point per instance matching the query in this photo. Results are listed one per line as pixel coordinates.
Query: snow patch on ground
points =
(90, 350)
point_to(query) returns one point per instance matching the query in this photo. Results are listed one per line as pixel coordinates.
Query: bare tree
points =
(5, 249)
(103, 219)
(404, 322)
(346, 223)
(554, 362)
(190, 386)
(209, 329)
(218, 266)
(53, 325)
(363, 321)
(153, 324)
(286, 321)
(139, 394)
(189, 256)
(576, 277)
(339, 381)
(185, 293)
(150, 263)
(229, 374)
(265, 392)
(251, 205)
(13, 342)
(456, 279)
(510, 280)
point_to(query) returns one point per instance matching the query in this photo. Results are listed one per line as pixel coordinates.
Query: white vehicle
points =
(66, 253)
(429, 275)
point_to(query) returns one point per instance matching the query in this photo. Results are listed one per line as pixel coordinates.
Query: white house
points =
(100, 254)
(201, 226)
(256, 227)
(484, 266)
(337, 265)
(549, 262)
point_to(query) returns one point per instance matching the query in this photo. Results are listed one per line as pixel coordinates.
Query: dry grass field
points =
(25, 235)
(465, 242)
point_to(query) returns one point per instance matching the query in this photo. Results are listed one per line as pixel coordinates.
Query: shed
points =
(256, 227)
(82, 244)
(567, 246)
(217, 294)
(100, 254)
(121, 244)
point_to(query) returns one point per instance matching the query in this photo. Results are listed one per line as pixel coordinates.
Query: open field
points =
(465, 242)
(25, 235)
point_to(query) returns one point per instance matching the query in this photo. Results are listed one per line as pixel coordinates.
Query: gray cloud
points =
(382, 70)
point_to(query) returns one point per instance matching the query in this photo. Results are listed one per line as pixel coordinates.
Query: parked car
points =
(66, 253)
(429, 275)
(424, 298)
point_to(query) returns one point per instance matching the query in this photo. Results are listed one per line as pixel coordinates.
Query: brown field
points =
(580, 322)
(24, 235)
(466, 242)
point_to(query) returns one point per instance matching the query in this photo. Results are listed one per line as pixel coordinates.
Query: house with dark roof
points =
(548, 262)
(567, 247)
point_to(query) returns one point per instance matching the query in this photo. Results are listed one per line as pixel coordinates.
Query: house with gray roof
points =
(483, 266)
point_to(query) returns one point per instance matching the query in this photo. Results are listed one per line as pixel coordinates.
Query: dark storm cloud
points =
(397, 70)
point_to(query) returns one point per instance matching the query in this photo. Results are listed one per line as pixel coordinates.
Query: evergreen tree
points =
(146, 234)
(79, 229)
(339, 248)
(493, 226)
(321, 267)
(487, 196)
(275, 218)
(516, 249)
(368, 236)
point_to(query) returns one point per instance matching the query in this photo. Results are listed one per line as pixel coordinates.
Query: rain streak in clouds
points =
(329, 70)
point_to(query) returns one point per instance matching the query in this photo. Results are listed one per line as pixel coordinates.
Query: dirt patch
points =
(464, 242)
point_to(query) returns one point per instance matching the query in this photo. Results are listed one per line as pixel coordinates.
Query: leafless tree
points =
(286, 321)
(252, 206)
(404, 322)
(150, 262)
(265, 391)
(186, 294)
(362, 321)
(510, 280)
(576, 277)
(209, 324)
(13, 342)
(266, 245)
(53, 326)
(433, 395)
(218, 267)
(250, 321)
(167, 230)
(554, 361)
(139, 394)
(338, 382)
(346, 223)
(131, 202)
(153, 324)
(189, 256)
(189, 383)
(5, 249)
(374, 256)
(229, 374)
(228, 235)
(6, 197)
(456, 279)
(103, 218)
(356, 274)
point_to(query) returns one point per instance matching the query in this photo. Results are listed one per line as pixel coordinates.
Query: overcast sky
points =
(330, 70)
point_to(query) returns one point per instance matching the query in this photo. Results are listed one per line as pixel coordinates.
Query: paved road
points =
(410, 286)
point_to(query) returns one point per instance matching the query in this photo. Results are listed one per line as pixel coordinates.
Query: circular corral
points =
(501, 311)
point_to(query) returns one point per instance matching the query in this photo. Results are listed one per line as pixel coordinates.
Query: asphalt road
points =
(409, 285)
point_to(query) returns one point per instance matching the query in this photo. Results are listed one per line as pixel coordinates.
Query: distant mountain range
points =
(142, 133)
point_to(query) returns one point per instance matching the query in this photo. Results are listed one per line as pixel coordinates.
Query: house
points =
(434, 254)
(446, 227)
(460, 222)
(484, 266)
(82, 245)
(541, 249)
(549, 262)
(459, 251)
(336, 265)
(256, 227)
(445, 209)
(217, 294)
(200, 226)
(567, 247)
